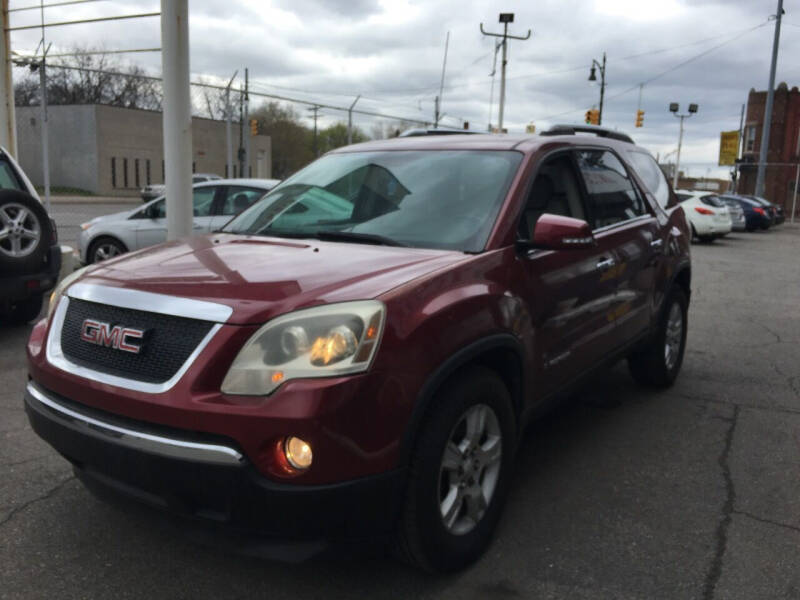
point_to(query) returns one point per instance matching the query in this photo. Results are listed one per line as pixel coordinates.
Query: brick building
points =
(113, 151)
(783, 154)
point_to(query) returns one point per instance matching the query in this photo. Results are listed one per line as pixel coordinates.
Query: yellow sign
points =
(728, 148)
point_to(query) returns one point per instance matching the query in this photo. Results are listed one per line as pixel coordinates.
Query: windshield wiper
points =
(359, 238)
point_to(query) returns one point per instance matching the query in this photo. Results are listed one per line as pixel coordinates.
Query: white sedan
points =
(706, 213)
(214, 203)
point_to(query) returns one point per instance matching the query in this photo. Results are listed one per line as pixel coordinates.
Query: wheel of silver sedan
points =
(20, 230)
(673, 336)
(470, 468)
(105, 251)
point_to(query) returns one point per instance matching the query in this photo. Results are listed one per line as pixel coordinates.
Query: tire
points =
(694, 233)
(103, 248)
(706, 239)
(26, 233)
(25, 311)
(474, 398)
(657, 364)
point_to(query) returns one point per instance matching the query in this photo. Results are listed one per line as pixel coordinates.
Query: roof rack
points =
(599, 131)
(435, 131)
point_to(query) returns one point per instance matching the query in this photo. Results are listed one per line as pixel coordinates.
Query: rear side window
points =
(712, 200)
(612, 197)
(652, 176)
(239, 198)
(203, 200)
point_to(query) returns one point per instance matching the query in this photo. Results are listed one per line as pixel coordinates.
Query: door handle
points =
(657, 243)
(606, 264)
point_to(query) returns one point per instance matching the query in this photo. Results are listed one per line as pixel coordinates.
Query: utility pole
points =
(177, 116)
(438, 102)
(43, 93)
(350, 121)
(240, 152)
(315, 110)
(593, 77)
(505, 19)
(45, 141)
(491, 93)
(673, 108)
(8, 125)
(738, 153)
(246, 120)
(762, 155)
(228, 132)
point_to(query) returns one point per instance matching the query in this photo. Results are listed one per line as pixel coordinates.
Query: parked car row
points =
(712, 216)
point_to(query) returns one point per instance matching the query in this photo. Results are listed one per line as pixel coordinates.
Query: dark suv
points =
(30, 257)
(356, 355)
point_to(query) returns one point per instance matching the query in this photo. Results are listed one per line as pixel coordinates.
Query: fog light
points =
(297, 452)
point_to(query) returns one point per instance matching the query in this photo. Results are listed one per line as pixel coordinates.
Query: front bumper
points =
(207, 479)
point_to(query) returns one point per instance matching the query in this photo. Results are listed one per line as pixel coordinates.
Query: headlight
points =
(324, 341)
(58, 291)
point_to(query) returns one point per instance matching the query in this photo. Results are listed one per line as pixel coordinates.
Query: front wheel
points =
(104, 248)
(658, 363)
(459, 473)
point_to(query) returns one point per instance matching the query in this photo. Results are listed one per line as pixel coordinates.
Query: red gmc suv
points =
(356, 355)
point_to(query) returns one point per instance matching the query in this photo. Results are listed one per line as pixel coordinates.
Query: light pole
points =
(593, 77)
(762, 155)
(673, 108)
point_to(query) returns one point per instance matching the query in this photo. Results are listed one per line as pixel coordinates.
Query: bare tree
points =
(90, 78)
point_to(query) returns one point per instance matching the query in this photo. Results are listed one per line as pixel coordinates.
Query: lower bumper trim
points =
(164, 446)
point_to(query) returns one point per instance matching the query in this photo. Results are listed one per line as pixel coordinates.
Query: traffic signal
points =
(253, 126)
(593, 117)
(589, 116)
(639, 118)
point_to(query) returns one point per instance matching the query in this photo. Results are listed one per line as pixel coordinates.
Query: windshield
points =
(429, 199)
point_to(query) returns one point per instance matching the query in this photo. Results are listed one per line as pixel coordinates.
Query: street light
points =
(673, 108)
(593, 77)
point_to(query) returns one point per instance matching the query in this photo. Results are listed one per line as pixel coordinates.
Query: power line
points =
(82, 21)
(670, 70)
(259, 94)
(39, 6)
(92, 53)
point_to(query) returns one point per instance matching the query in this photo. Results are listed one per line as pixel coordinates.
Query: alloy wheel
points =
(20, 231)
(674, 336)
(470, 469)
(105, 251)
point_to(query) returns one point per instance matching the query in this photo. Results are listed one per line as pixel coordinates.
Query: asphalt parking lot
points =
(623, 493)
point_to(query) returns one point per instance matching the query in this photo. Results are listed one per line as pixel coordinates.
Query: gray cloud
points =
(391, 53)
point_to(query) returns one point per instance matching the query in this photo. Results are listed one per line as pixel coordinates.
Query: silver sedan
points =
(214, 204)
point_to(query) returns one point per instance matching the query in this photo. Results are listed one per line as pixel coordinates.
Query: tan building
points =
(113, 151)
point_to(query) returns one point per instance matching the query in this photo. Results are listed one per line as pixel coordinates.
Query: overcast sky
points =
(390, 52)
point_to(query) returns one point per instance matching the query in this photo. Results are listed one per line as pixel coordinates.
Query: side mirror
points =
(556, 232)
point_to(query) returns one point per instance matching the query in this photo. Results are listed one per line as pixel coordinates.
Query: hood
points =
(117, 216)
(261, 277)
